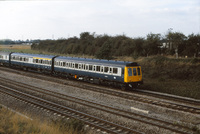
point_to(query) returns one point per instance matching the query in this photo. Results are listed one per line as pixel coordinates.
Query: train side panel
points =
(89, 74)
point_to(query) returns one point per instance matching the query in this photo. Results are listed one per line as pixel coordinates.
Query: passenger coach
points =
(32, 61)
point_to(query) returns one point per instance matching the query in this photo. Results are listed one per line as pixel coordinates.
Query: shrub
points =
(195, 61)
(72, 124)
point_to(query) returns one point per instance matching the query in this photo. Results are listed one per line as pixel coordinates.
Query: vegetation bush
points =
(73, 125)
(11, 123)
(181, 69)
(174, 76)
(105, 46)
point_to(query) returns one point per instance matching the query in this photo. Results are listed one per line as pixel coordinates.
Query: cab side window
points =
(134, 72)
(130, 72)
(138, 70)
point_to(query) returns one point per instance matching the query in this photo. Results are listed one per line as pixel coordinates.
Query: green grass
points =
(175, 76)
(173, 86)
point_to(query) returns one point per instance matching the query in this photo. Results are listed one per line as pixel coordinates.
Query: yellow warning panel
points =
(41, 58)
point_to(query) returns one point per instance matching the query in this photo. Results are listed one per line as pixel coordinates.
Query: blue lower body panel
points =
(89, 74)
(30, 65)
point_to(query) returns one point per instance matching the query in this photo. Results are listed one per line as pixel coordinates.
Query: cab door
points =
(128, 75)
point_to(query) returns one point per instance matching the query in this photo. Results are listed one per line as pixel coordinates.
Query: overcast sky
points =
(47, 19)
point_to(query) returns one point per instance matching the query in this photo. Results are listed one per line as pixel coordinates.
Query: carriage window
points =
(106, 69)
(86, 67)
(130, 72)
(138, 70)
(134, 72)
(83, 66)
(90, 67)
(76, 65)
(73, 65)
(64, 64)
(67, 64)
(36, 61)
(115, 70)
(98, 68)
(61, 63)
(94, 68)
(70, 64)
(101, 68)
(110, 70)
(79, 66)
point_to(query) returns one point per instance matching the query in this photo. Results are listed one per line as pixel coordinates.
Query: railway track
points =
(64, 111)
(195, 109)
(169, 97)
(112, 110)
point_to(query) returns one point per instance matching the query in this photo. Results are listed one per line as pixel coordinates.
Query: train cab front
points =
(133, 75)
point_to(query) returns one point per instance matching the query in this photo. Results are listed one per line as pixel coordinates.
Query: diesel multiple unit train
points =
(124, 74)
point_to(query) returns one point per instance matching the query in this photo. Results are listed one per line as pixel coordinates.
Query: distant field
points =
(17, 48)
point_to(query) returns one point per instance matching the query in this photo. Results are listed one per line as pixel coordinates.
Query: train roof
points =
(33, 55)
(97, 61)
(4, 53)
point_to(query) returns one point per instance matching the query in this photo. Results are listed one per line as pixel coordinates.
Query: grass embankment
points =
(175, 76)
(11, 123)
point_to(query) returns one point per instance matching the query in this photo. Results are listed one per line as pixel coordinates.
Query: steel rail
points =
(169, 96)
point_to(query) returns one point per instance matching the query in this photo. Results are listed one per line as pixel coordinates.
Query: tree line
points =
(107, 47)
(17, 42)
